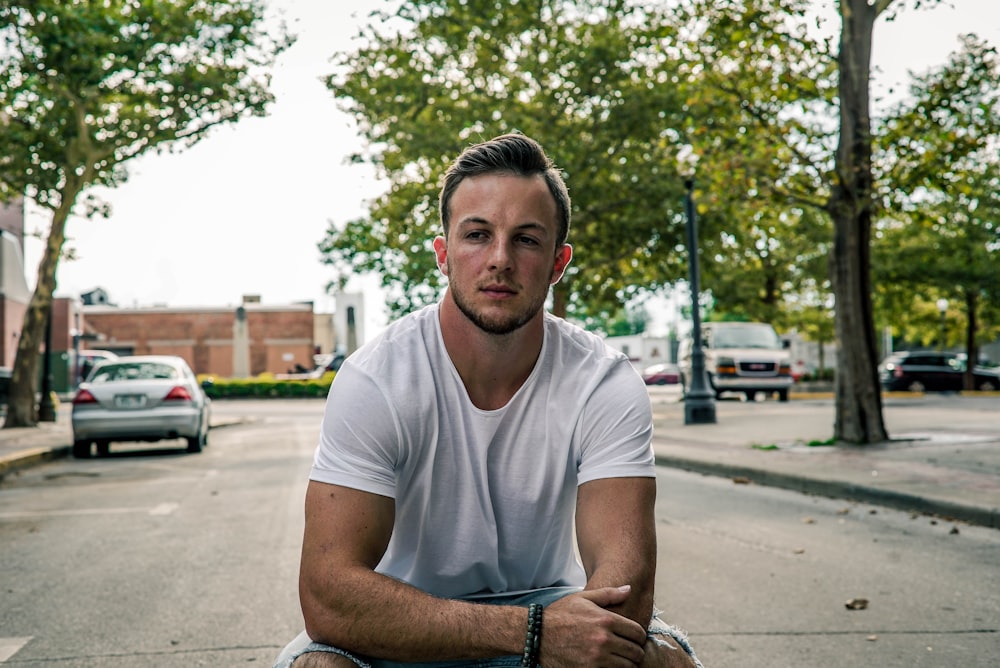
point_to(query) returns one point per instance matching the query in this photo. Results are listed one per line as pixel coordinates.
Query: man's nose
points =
(500, 255)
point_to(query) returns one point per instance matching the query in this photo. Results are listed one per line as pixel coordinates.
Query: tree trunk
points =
(858, 395)
(22, 410)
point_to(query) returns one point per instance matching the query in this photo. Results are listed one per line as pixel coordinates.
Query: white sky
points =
(241, 212)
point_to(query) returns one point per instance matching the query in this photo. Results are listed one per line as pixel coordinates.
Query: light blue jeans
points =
(302, 644)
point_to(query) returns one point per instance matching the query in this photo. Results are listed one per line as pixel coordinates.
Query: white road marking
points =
(161, 509)
(164, 509)
(11, 646)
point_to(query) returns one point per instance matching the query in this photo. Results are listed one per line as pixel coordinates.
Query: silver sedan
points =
(140, 398)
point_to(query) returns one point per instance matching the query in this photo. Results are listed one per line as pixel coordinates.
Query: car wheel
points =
(987, 386)
(915, 386)
(194, 443)
(81, 449)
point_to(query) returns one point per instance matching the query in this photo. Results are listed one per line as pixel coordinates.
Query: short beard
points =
(495, 327)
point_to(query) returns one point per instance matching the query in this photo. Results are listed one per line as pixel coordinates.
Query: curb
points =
(985, 517)
(30, 457)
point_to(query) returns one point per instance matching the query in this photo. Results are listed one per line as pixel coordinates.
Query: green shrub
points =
(819, 375)
(267, 388)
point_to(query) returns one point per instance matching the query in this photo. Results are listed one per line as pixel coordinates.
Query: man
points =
(469, 451)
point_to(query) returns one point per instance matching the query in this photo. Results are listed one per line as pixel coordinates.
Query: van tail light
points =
(84, 397)
(178, 393)
(785, 369)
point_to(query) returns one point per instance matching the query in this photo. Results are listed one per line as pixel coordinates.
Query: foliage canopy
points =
(86, 86)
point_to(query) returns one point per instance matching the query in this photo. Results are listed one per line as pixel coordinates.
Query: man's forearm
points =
(639, 604)
(373, 615)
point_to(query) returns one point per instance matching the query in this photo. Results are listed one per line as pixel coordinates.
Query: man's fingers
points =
(607, 596)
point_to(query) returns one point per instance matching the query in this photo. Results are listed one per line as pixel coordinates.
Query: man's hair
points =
(507, 154)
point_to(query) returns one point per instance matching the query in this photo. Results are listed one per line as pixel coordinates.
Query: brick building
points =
(228, 342)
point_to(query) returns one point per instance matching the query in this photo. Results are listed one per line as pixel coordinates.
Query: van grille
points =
(757, 368)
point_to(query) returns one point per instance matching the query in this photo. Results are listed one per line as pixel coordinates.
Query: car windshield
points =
(133, 371)
(746, 337)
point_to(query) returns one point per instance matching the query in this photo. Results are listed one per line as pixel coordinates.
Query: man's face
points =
(500, 256)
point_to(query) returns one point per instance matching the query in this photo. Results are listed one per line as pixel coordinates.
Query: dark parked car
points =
(140, 398)
(917, 371)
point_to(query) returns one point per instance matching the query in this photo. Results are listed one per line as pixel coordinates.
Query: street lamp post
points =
(699, 400)
(942, 307)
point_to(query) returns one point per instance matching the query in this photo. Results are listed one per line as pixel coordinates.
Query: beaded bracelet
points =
(533, 638)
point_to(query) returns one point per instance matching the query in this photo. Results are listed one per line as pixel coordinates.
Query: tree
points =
(758, 87)
(838, 179)
(86, 86)
(943, 239)
(591, 79)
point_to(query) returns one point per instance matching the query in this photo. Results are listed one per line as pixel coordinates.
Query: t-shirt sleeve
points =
(616, 429)
(359, 440)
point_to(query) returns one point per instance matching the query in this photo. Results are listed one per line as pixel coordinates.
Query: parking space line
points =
(161, 509)
(11, 646)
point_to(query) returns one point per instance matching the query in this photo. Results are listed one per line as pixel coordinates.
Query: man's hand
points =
(578, 630)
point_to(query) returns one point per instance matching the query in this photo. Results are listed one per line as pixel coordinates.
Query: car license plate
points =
(130, 400)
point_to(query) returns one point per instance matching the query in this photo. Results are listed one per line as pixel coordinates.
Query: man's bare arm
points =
(616, 532)
(347, 604)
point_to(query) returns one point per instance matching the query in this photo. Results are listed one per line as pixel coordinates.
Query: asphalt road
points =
(154, 557)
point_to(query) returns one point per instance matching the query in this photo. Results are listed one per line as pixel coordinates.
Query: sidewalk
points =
(943, 457)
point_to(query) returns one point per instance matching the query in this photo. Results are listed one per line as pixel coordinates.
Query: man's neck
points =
(493, 367)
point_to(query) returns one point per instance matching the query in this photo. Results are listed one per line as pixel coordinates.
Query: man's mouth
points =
(498, 289)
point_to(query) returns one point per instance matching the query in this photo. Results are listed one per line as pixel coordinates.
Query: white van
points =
(744, 357)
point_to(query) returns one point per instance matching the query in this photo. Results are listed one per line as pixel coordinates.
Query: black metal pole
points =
(47, 409)
(699, 401)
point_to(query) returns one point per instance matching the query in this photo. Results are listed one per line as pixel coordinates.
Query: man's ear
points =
(563, 257)
(441, 254)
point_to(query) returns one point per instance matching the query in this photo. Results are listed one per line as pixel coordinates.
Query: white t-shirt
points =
(485, 499)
